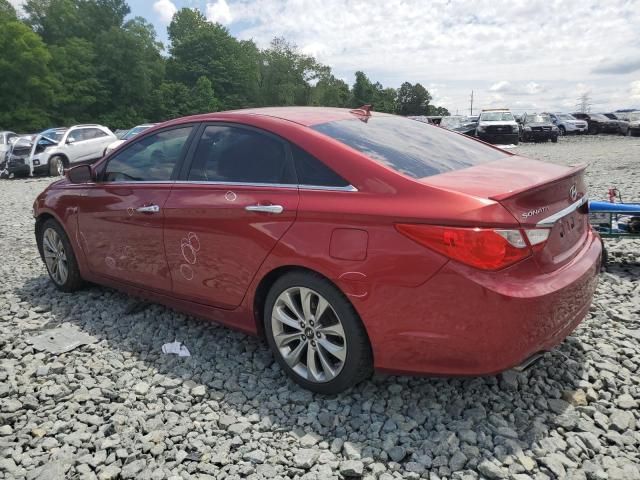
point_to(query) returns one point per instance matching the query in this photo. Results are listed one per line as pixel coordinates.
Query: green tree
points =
(203, 99)
(203, 49)
(129, 70)
(77, 87)
(285, 74)
(385, 99)
(58, 20)
(413, 99)
(329, 91)
(26, 83)
(7, 12)
(363, 92)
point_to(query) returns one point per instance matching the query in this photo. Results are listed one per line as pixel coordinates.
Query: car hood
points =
(539, 124)
(496, 122)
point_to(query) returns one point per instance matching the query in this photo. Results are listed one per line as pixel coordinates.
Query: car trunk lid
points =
(537, 194)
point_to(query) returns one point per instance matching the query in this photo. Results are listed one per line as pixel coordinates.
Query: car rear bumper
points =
(499, 138)
(466, 322)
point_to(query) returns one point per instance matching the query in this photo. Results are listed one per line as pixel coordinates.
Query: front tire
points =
(58, 257)
(562, 130)
(56, 166)
(315, 334)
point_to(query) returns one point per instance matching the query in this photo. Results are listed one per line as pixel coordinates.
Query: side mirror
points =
(71, 140)
(80, 174)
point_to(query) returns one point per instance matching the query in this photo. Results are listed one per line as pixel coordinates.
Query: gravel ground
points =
(119, 408)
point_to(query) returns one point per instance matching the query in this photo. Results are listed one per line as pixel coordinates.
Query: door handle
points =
(148, 209)
(275, 209)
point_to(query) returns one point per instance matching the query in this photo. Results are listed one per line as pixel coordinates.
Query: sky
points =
(530, 55)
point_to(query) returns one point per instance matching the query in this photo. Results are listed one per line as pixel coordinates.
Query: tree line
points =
(64, 62)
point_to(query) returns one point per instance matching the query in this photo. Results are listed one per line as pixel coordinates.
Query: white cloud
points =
(165, 9)
(219, 12)
(634, 90)
(18, 4)
(540, 49)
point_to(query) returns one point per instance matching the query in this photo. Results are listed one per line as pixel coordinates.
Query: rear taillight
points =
(483, 248)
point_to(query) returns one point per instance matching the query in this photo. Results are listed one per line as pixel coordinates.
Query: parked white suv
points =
(498, 126)
(58, 148)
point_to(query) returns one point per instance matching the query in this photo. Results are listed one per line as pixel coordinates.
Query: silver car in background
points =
(568, 124)
(130, 134)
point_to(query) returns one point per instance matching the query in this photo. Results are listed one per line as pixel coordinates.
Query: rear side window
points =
(412, 148)
(313, 172)
(240, 155)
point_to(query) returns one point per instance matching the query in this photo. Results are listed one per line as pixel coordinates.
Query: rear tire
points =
(56, 166)
(315, 334)
(562, 131)
(58, 257)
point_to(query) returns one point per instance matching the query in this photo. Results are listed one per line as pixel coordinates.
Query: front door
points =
(121, 218)
(235, 202)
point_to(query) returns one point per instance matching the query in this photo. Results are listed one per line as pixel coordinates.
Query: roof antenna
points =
(363, 111)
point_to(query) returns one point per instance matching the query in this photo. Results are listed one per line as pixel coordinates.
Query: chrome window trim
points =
(552, 219)
(348, 188)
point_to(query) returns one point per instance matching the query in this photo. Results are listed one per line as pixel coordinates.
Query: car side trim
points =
(550, 220)
(348, 188)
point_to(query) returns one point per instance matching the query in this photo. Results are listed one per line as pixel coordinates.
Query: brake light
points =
(483, 248)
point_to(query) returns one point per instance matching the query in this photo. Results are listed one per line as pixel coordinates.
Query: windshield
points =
(53, 134)
(565, 116)
(496, 117)
(135, 131)
(413, 148)
(453, 122)
(538, 119)
(598, 116)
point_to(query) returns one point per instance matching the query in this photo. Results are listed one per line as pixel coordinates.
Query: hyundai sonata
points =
(351, 240)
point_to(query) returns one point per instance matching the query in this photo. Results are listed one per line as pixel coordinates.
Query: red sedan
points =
(351, 240)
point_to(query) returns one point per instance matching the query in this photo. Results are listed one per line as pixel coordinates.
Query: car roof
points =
(306, 116)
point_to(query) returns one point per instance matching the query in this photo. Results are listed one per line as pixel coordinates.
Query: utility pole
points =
(471, 114)
(583, 103)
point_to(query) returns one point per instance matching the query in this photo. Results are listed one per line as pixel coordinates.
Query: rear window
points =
(412, 148)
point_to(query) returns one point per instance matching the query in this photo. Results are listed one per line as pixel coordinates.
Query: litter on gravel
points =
(176, 348)
(60, 340)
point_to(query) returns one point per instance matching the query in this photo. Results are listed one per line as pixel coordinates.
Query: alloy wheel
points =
(60, 168)
(55, 256)
(308, 334)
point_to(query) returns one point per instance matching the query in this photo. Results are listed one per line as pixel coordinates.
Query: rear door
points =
(236, 198)
(98, 141)
(122, 215)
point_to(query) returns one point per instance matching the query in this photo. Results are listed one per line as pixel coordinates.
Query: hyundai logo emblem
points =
(573, 193)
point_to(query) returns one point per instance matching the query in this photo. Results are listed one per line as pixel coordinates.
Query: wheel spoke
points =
(288, 300)
(49, 245)
(334, 330)
(312, 364)
(321, 308)
(280, 315)
(285, 339)
(305, 299)
(329, 371)
(62, 269)
(293, 356)
(337, 351)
